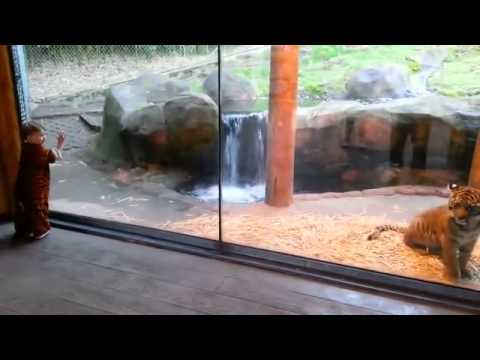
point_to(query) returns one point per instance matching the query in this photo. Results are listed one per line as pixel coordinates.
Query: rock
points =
(406, 190)
(379, 192)
(191, 121)
(305, 51)
(330, 195)
(370, 125)
(373, 132)
(153, 168)
(121, 100)
(148, 188)
(146, 135)
(353, 194)
(192, 130)
(428, 191)
(145, 121)
(158, 88)
(122, 177)
(351, 176)
(158, 138)
(94, 122)
(238, 94)
(380, 82)
(336, 136)
(133, 127)
(319, 150)
(430, 177)
(171, 179)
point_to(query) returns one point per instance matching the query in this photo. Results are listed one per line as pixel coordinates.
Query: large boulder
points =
(120, 101)
(145, 121)
(191, 120)
(192, 130)
(238, 93)
(381, 82)
(145, 135)
(158, 88)
(133, 129)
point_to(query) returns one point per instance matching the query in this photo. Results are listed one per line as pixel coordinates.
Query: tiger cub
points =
(451, 230)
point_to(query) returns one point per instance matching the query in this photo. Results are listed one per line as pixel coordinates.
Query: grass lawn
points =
(325, 69)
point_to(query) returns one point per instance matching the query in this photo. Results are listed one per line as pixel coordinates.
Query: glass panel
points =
(380, 130)
(141, 129)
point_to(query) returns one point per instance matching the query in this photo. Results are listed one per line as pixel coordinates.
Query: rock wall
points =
(428, 140)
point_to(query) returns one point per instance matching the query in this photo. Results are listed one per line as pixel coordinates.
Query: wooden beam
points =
(282, 124)
(10, 134)
(474, 178)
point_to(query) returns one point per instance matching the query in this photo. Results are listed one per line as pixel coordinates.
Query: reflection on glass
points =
(380, 132)
(141, 126)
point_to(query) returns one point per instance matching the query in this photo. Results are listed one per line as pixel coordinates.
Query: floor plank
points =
(289, 300)
(7, 311)
(30, 299)
(77, 298)
(136, 259)
(396, 305)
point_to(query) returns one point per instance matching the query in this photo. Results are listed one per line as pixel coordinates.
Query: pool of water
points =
(231, 194)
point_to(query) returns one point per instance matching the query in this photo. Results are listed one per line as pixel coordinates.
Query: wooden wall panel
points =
(9, 134)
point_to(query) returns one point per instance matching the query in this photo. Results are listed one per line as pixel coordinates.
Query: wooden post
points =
(282, 124)
(10, 133)
(474, 178)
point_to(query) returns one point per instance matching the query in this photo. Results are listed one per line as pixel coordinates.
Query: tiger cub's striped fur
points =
(382, 228)
(452, 229)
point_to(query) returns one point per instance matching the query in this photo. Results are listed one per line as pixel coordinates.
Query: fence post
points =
(282, 124)
(21, 80)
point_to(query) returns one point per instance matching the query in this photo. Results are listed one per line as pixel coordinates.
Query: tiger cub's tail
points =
(383, 228)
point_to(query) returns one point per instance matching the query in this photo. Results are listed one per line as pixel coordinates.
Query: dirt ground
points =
(79, 189)
(52, 80)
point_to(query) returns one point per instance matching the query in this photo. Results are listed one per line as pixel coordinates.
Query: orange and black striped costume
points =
(32, 190)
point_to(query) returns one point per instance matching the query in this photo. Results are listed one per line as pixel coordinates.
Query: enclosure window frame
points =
(335, 273)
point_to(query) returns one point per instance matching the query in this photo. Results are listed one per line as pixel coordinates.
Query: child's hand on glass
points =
(60, 140)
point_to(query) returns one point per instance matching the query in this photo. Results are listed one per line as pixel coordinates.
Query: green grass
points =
(460, 75)
(196, 86)
(338, 64)
(327, 68)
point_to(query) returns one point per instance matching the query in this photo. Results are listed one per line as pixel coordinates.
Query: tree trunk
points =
(282, 124)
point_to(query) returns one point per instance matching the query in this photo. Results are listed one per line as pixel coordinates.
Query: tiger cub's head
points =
(464, 205)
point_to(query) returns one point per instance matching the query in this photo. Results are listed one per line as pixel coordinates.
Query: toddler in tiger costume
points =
(33, 182)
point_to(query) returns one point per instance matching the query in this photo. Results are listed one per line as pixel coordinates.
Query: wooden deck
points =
(72, 273)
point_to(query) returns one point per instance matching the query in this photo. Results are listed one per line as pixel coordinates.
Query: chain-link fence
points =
(66, 70)
(39, 54)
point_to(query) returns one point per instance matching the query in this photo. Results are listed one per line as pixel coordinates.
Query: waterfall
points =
(243, 168)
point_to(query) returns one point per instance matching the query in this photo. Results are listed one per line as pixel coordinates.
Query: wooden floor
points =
(71, 273)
